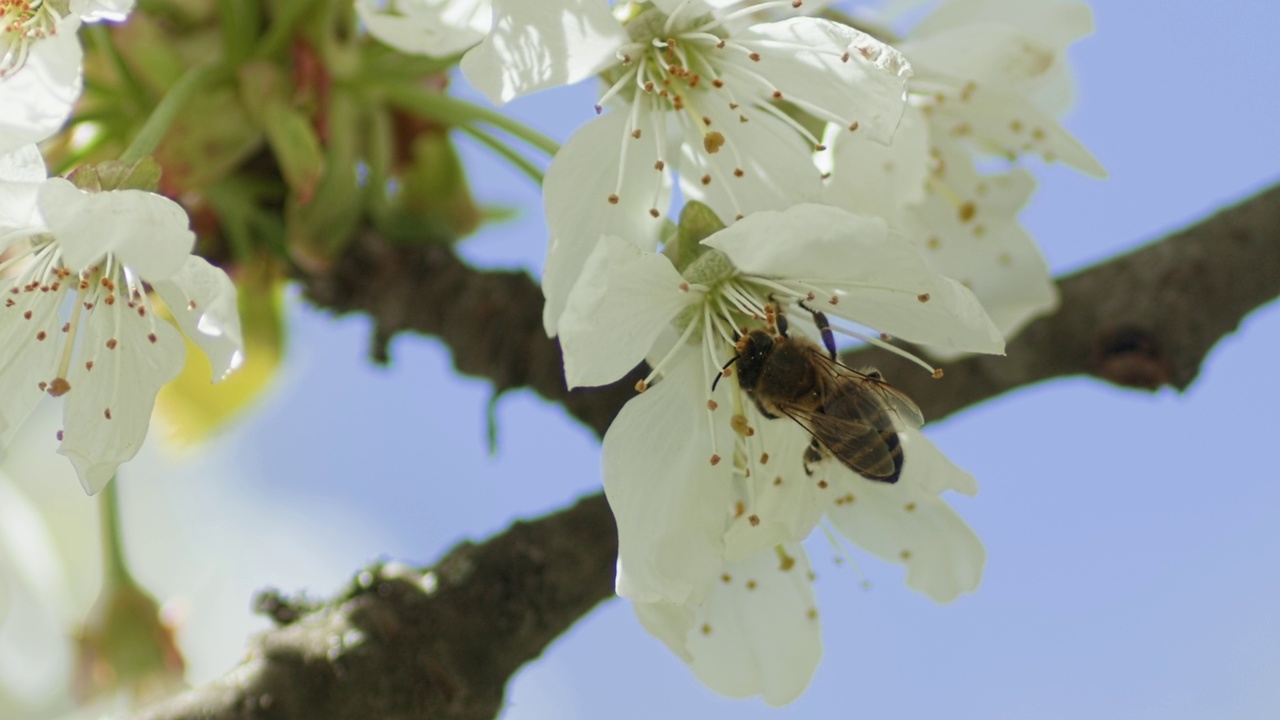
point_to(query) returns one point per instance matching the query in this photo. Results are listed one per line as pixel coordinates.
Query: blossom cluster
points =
(755, 169)
(848, 174)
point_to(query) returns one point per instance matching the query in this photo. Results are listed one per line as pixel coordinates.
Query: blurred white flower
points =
(107, 352)
(40, 56)
(35, 607)
(981, 68)
(672, 495)
(202, 546)
(438, 28)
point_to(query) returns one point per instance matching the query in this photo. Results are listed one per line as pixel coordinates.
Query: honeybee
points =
(853, 415)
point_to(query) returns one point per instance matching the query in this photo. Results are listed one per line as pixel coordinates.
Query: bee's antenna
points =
(720, 374)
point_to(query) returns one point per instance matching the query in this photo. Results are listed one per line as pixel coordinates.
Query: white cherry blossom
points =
(676, 453)
(980, 70)
(437, 28)
(756, 630)
(696, 94)
(979, 64)
(40, 56)
(75, 318)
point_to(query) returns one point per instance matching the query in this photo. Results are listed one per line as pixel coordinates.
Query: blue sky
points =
(1132, 538)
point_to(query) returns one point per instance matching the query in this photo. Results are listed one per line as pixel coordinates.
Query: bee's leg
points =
(812, 456)
(824, 327)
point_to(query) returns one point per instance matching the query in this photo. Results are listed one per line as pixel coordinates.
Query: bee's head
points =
(753, 349)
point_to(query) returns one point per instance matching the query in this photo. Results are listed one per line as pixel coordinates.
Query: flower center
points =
(38, 296)
(22, 23)
(688, 70)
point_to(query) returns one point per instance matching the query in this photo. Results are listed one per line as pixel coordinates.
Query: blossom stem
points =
(239, 22)
(452, 111)
(154, 130)
(115, 570)
(518, 161)
(285, 18)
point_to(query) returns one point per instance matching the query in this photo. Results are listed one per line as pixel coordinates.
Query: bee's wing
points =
(903, 408)
(855, 442)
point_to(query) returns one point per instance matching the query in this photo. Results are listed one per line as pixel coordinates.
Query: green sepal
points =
(265, 94)
(697, 223)
(125, 644)
(434, 202)
(115, 175)
(296, 146)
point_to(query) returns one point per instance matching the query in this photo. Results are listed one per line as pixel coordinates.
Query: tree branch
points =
(401, 644)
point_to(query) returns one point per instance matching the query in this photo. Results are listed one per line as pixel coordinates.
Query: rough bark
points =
(403, 644)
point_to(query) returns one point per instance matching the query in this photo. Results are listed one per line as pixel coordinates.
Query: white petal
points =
(36, 100)
(538, 45)
(149, 233)
(668, 622)
(693, 8)
(33, 605)
(21, 174)
(784, 503)
(757, 633)
(871, 178)
(576, 193)
(670, 502)
(983, 53)
(1013, 124)
(1009, 56)
(26, 361)
(907, 523)
(1050, 22)
(95, 10)
(934, 472)
(203, 301)
(23, 165)
(816, 63)
(624, 299)
(108, 408)
(1055, 93)
(763, 165)
(881, 278)
(426, 27)
(989, 252)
